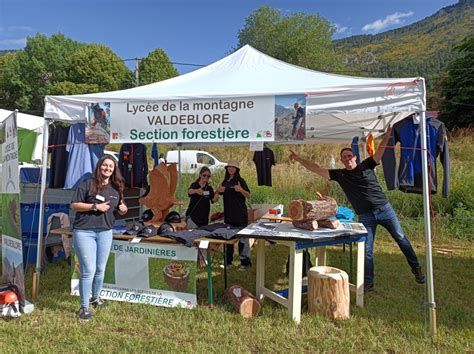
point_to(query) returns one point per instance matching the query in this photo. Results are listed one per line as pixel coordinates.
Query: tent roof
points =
(25, 121)
(251, 73)
(246, 72)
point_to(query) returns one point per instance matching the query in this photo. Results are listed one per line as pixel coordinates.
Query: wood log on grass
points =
(321, 209)
(328, 292)
(306, 224)
(242, 300)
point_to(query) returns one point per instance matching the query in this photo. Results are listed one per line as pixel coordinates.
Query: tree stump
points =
(321, 209)
(242, 300)
(328, 292)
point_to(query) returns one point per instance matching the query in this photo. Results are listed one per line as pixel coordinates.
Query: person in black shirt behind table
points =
(95, 201)
(201, 196)
(235, 192)
(359, 183)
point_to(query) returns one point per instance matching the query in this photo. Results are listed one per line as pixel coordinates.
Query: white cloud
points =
(390, 20)
(14, 43)
(341, 29)
(19, 29)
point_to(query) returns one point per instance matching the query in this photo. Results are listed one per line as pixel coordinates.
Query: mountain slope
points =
(422, 49)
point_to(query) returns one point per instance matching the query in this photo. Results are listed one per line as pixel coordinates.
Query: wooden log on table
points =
(306, 224)
(321, 209)
(328, 292)
(242, 300)
(330, 224)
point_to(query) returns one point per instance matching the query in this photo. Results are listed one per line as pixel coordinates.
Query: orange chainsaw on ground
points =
(10, 304)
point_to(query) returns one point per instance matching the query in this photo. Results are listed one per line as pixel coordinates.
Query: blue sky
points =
(190, 31)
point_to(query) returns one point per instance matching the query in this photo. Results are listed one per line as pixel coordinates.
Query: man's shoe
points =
(84, 314)
(419, 276)
(98, 302)
(368, 287)
(243, 268)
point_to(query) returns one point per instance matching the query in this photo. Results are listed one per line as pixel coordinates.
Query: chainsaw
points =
(10, 304)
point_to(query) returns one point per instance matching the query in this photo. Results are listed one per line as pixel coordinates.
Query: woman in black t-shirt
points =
(201, 196)
(235, 192)
(94, 202)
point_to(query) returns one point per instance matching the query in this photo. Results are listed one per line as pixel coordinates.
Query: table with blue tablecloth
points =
(297, 240)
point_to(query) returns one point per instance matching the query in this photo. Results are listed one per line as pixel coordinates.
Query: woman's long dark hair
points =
(236, 175)
(203, 169)
(116, 179)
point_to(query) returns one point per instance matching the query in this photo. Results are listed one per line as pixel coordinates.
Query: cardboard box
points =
(252, 215)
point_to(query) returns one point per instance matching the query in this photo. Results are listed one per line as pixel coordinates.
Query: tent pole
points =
(180, 180)
(426, 210)
(39, 246)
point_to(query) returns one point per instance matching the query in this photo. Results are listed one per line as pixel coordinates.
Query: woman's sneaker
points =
(98, 302)
(84, 314)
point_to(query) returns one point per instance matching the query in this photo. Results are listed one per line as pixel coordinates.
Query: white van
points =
(193, 160)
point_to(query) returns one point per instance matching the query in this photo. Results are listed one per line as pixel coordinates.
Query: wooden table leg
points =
(295, 283)
(210, 290)
(360, 274)
(260, 269)
(225, 265)
(321, 256)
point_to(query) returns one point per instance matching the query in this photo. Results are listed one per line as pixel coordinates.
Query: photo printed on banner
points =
(290, 117)
(98, 123)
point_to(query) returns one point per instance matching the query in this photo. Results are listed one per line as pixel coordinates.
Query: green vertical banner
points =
(147, 273)
(12, 246)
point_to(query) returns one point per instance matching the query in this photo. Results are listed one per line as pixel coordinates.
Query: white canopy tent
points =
(337, 107)
(31, 123)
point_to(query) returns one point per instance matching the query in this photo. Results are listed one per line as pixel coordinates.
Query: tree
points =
(457, 109)
(299, 39)
(28, 74)
(156, 67)
(95, 64)
(58, 66)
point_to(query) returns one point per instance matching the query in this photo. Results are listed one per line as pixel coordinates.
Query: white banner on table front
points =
(240, 119)
(149, 273)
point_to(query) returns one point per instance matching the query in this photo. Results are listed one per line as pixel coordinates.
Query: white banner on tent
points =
(242, 119)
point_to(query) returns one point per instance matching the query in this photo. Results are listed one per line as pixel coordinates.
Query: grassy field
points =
(393, 319)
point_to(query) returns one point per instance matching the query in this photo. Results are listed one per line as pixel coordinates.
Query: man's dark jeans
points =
(386, 217)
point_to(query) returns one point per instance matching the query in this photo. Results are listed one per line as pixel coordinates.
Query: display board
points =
(12, 245)
(147, 273)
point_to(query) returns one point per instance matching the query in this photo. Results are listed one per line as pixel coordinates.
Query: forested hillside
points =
(422, 49)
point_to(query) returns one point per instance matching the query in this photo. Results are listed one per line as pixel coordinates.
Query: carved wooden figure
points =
(163, 181)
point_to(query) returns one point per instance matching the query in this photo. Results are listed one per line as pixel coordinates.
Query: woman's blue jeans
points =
(92, 248)
(386, 217)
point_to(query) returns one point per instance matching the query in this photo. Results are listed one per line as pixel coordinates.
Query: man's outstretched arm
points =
(309, 165)
(381, 148)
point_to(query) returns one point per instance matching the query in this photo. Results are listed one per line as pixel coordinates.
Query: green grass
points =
(393, 318)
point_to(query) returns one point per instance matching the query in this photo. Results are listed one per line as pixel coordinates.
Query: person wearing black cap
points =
(201, 195)
(235, 191)
(95, 201)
